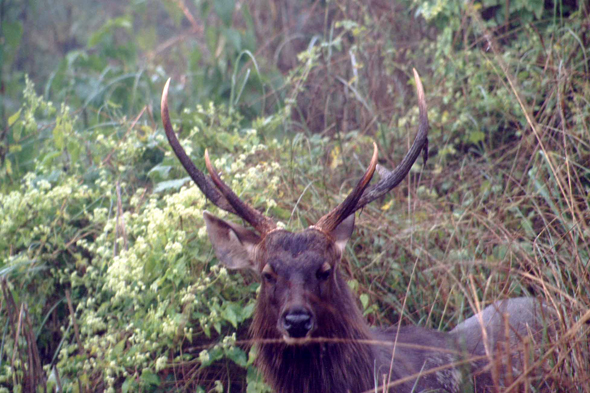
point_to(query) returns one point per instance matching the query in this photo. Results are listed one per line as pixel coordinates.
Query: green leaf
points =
(50, 156)
(234, 37)
(247, 311)
(208, 357)
(129, 385)
(159, 171)
(15, 148)
(537, 6)
(225, 10)
(476, 136)
(12, 119)
(237, 356)
(206, 329)
(12, 32)
(58, 136)
(108, 29)
(353, 285)
(174, 11)
(17, 131)
(256, 382)
(171, 184)
(230, 314)
(149, 377)
(364, 300)
(211, 38)
(74, 150)
(118, 349)
(8, 166)
(147, 38)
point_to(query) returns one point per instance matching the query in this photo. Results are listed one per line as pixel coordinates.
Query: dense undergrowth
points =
(108, 280)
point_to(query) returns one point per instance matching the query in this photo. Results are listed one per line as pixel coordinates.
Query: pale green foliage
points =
(143, 282)
(153, 307)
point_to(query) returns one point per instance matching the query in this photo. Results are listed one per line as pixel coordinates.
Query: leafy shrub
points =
(137, 263)
(95, 207)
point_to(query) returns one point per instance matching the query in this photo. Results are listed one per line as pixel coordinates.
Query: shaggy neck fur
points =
(319, 367)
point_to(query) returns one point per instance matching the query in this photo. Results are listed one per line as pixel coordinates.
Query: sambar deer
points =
(310, 333)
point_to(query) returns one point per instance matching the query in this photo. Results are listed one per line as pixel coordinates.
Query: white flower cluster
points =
(161, 363)
(92, 323)
(229, 341)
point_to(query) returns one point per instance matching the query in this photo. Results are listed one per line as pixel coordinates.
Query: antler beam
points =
(331, 220)
(214, 188)
(393, 178)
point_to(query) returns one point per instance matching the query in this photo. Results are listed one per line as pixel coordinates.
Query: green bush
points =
(95, 206)
(137, 262)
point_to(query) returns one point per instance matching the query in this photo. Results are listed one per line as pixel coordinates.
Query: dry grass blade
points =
(33, 375)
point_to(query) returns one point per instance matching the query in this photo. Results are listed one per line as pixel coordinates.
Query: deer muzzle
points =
(297, 322)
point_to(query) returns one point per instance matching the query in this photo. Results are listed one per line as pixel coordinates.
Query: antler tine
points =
(331, 220)
(198, 177)
(393, 178)
(258, 220)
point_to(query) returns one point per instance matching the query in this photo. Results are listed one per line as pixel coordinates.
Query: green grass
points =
(94, 203)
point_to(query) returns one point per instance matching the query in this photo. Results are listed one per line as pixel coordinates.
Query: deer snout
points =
(297, 322)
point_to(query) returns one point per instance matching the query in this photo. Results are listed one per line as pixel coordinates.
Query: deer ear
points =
(342, 232)
(234, 245)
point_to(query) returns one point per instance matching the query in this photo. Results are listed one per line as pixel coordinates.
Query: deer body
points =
(310, 333)
(340, 352)
(355, 356)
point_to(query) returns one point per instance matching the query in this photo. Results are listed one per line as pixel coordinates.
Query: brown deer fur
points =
(311, 335)
(342, 353)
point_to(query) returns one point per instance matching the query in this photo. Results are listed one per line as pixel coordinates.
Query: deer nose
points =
(297, 322)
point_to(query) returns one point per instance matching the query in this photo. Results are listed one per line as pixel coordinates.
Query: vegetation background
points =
(108, 281)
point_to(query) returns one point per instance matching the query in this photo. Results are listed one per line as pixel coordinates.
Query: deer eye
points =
(324, 272)
(269, 274)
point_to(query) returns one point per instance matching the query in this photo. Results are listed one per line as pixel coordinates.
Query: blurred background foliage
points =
(108, 280)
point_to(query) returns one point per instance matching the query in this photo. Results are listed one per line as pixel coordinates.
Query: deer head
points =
(301, 288)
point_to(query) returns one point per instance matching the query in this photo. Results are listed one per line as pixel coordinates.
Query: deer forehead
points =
(303, 250)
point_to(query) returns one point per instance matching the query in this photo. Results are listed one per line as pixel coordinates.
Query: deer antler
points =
(362, 195)
(331, 220)
(222, 196)
(393, 178)
(214, 188)
(258, 220)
